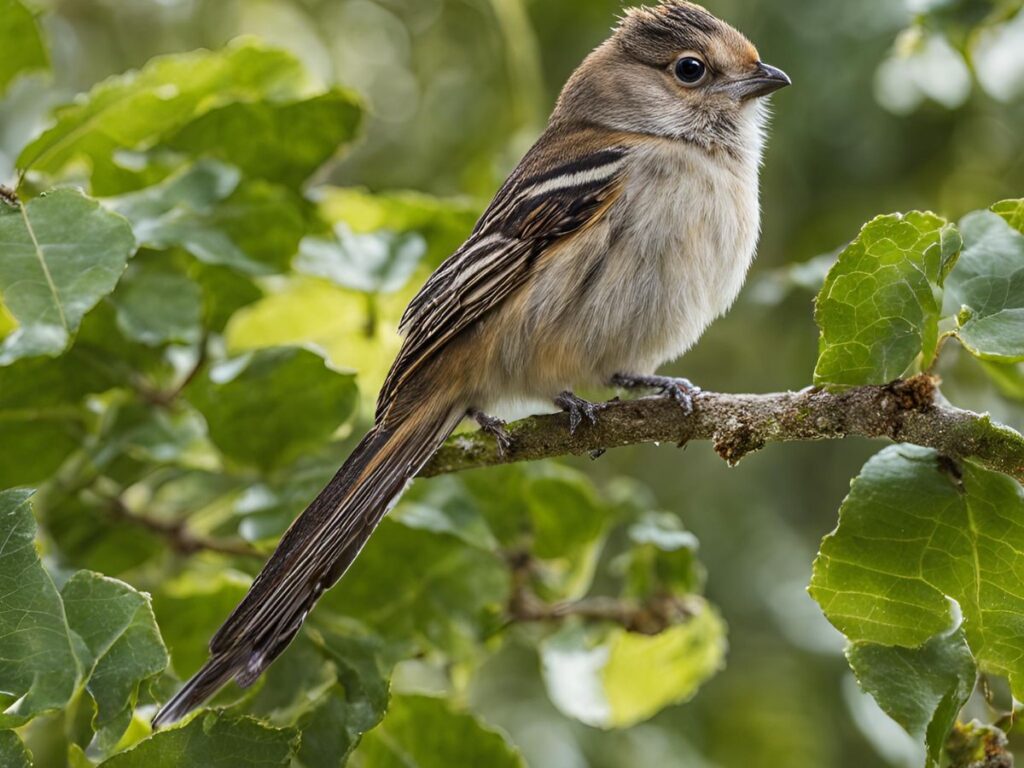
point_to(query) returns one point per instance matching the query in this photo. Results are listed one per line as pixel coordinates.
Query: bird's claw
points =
(496, 428)
(577, 408)
(683, 391)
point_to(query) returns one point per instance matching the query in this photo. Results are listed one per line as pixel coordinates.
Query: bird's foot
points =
(578, 408)
(681, 390)
(494, 427)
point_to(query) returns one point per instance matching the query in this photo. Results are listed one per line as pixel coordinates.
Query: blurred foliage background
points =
(896, 105)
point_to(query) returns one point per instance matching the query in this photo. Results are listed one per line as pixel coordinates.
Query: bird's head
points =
(674, 71)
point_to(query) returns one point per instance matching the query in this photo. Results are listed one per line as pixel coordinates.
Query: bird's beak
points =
(764, 80)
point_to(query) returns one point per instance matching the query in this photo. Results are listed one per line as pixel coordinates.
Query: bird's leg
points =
(681, 390)
(494, 427)
(577, 408)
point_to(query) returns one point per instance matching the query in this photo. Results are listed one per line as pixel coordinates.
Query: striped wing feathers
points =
(550, 196)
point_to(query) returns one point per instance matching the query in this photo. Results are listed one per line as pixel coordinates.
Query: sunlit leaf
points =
(424, 732)
(20, 42)
(443, 223)
(916, 532)
(355, 332)
(880, 306)
(267, 407)
(116, 624)
(279, 141)
(138, 108)
(986, 290)
(379, 262)
(1012, 211)
(39, 665)
(212, 741)
(922, 689)
(624, 678)
(62, 254)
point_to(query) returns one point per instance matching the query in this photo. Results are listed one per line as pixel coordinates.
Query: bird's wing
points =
(555, 192)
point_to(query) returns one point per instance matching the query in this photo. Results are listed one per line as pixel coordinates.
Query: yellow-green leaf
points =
(136, 109)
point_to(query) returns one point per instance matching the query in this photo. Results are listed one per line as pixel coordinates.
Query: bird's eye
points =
(690, 70)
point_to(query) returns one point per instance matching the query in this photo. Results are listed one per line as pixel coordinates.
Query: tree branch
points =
(909, 411)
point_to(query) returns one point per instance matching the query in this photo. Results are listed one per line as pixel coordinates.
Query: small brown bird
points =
(622, 234)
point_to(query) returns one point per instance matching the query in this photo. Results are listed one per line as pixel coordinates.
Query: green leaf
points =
(62, 254)
(117, 626)
(13, 753)
(178, 212)
(427, 588)
(189, 610)
(880, 306)
(922, 689)
(986, 290)
(282, 142)
(568, 524)
(157, 304)
(424, 732)
(918, 531)
(381, 262)
(443, 506)
(39, 666)
(663, 557)
(41, 412)
(625, 678)
(212, 740)
(1012, 211)
(333, 727)
(266, 221)
(225, 291)
(290, 393)
(20, 41)
(137, 109)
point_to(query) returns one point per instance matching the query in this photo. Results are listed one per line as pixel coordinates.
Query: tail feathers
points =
(313, 554)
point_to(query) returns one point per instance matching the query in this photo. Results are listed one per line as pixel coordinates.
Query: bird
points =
(624, 231)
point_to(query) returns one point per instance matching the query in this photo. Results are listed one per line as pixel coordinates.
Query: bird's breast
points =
(680, 242)
(638, 287)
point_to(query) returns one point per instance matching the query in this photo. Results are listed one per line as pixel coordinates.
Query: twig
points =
(650, 617)
(907, 411)
(164, 398)
(177, 533)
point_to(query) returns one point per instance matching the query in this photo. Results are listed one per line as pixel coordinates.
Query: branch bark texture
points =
(906, 411)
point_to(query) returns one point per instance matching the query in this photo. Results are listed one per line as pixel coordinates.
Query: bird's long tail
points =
(313, 554)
